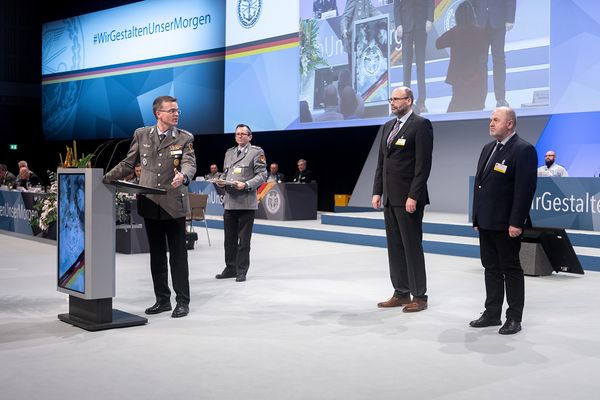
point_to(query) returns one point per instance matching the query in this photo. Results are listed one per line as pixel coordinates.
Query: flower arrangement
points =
(47, 207)
(310, 53)
(47, 212)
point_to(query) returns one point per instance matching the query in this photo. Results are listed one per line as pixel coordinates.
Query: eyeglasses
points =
(172, 111)
(241, 134)
(392, 99)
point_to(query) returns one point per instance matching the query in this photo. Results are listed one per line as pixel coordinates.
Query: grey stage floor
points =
(304, 326)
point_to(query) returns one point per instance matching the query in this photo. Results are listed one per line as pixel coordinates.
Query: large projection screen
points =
(101, 71)
(267, 63)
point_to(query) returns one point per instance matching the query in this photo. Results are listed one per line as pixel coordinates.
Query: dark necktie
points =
(497, 148)
(239, 152)
(393, 133)
(162, 136)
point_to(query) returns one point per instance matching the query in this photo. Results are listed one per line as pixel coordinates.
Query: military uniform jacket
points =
(158, 159)
(249, 166)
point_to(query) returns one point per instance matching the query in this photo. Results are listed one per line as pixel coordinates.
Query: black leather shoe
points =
(484, 321)
(157, 308)
(225, 274)
(181, 310)
(510, 327)
(240, 278)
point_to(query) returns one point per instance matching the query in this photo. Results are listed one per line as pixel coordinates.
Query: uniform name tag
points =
(237, 170)
(401, 142)
(500, 168)
(175, 152)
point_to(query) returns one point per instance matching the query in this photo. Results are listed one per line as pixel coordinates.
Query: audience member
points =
(331, 102)
(467, 71)
(345, 80)
(305, 115)
(303, 175)
(274, 174)
(348, 103)
(137, 172)
(27, 179)
(551, 168)
(214, 172)
(30, 176)
(6, 177)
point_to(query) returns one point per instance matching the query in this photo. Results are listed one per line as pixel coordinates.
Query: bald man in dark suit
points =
(504, 188)
(403, 168)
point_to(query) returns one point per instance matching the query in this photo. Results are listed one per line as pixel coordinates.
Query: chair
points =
(197, 208)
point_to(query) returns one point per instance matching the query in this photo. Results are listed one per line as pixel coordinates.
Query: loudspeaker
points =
(556, 248)
(534, 260)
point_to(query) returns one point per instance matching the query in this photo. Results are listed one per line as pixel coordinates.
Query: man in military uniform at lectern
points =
(166, 154)
(244, 170)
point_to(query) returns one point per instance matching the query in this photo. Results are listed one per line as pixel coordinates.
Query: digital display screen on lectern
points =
(71, 231)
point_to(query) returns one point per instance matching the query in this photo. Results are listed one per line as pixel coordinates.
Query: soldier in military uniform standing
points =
(166, 154)
(244, 170)
(354, 11)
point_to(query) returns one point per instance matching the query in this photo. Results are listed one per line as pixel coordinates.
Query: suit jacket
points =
(249, 166)
(402, 170)
(305, 176)
(504, 198)
(494, 13)
(413, 13)
(158, 159)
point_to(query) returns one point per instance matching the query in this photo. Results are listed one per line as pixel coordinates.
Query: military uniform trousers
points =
(171, 231)
(238, 225)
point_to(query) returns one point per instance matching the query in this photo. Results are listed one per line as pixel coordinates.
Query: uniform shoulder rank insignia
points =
(185, 132)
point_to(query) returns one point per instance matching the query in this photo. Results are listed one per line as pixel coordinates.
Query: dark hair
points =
(3, 167)
(344, 79)
(305, 115)
(331, 96)
(157, 103)
(464, 14)
(348, 102)
(244, 126)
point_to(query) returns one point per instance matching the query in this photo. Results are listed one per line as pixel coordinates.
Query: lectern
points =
(86, 248)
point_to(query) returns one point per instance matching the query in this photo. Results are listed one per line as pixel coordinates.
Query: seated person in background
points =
(331, 104)
(6, 178)
(345, 80)
(214, 172)
(303, 175)
(305, 115)
(551, 168)
(27, 178)
(348, 103)
(137, 172)
(274, 174)
(33, 178)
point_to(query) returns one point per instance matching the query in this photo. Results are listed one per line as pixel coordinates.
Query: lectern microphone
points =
(113, 153)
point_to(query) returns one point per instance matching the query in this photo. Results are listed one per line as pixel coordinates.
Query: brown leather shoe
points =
(394, 302)
(416, 305)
